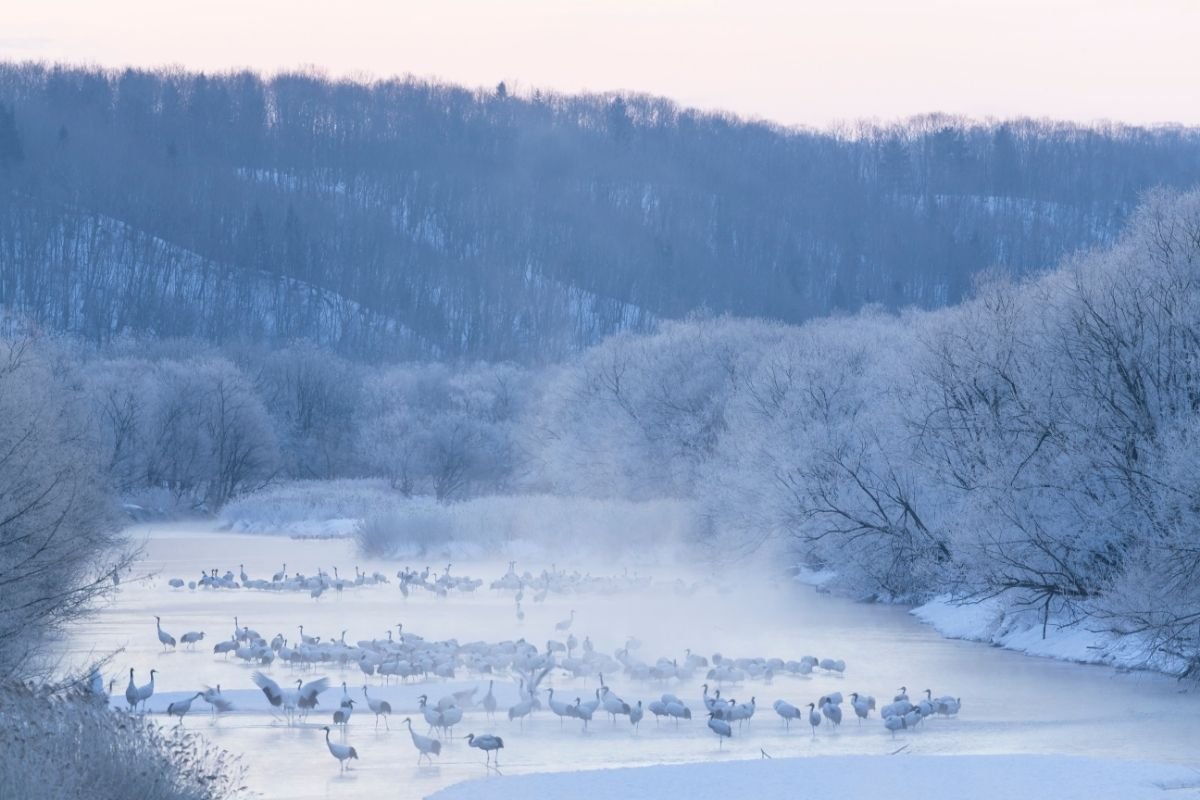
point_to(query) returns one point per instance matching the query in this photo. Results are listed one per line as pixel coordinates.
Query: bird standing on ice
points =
(488, 744)
(131, 692)
(635, 715)
(381, 708)
(489, 701)
(862, 705)
(720, 727)
(340, 751)
(425, 745)
(788, 711)
(191, 637)
(164, 637)
(147, 691)
(814, 718)
(342, 715)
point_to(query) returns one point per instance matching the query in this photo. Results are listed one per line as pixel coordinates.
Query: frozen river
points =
(1011, 703)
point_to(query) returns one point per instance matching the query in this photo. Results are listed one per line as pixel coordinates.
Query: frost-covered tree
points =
(121, 395)
(312, 394)
(817, 453)
(212, 437)
(58, 546)
(636, 416)
(428, 428)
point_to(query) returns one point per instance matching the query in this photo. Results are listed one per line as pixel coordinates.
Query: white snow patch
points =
(814, 577)
(996, 622)
(851, 777)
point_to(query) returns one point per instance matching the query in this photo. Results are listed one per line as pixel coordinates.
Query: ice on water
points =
(1011, 703)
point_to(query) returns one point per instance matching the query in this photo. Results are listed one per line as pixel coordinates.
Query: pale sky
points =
(800, 62)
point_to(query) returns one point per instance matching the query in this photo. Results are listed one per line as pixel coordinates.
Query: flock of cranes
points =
(409, 580)
(406, 655)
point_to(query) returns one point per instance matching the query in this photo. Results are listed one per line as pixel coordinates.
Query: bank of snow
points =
(852, 777)
(995, 622)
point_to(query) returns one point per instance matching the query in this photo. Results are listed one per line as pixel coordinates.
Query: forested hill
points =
(407, 218)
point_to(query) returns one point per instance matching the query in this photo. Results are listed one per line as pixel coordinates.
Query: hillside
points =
(405, 218)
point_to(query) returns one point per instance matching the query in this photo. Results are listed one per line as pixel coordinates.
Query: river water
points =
(1011, 703)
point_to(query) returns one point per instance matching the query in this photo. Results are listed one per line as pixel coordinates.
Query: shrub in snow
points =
(412, 533)
(61, 742)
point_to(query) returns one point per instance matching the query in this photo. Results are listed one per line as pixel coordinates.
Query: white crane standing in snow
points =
(613, 705)
(431, 714)
(862, 705)
(832, 711)
(131, 692)
(520, 710)
(678, 711)
(342, 715)
(721, 728)
(635, 716)
(489, 701)
(814, 718)
(559, 708)
(226, 647)
(788, 711)
(191, 637)
(427, 746)
(146, 692)
(341, 752)
(381, 708)
(164, 637)
(451, 717)
(488, 744)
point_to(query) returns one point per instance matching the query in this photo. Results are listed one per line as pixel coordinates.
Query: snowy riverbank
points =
(995, 622)
(852, 777)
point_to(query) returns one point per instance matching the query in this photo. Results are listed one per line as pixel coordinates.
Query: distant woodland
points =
(408, 219)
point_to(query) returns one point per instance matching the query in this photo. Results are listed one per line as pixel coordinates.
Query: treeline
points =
(181, 425)
(405, 219)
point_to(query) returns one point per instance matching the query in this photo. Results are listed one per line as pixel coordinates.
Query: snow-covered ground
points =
(1012, 704)
(994, 622)
(928, 777)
